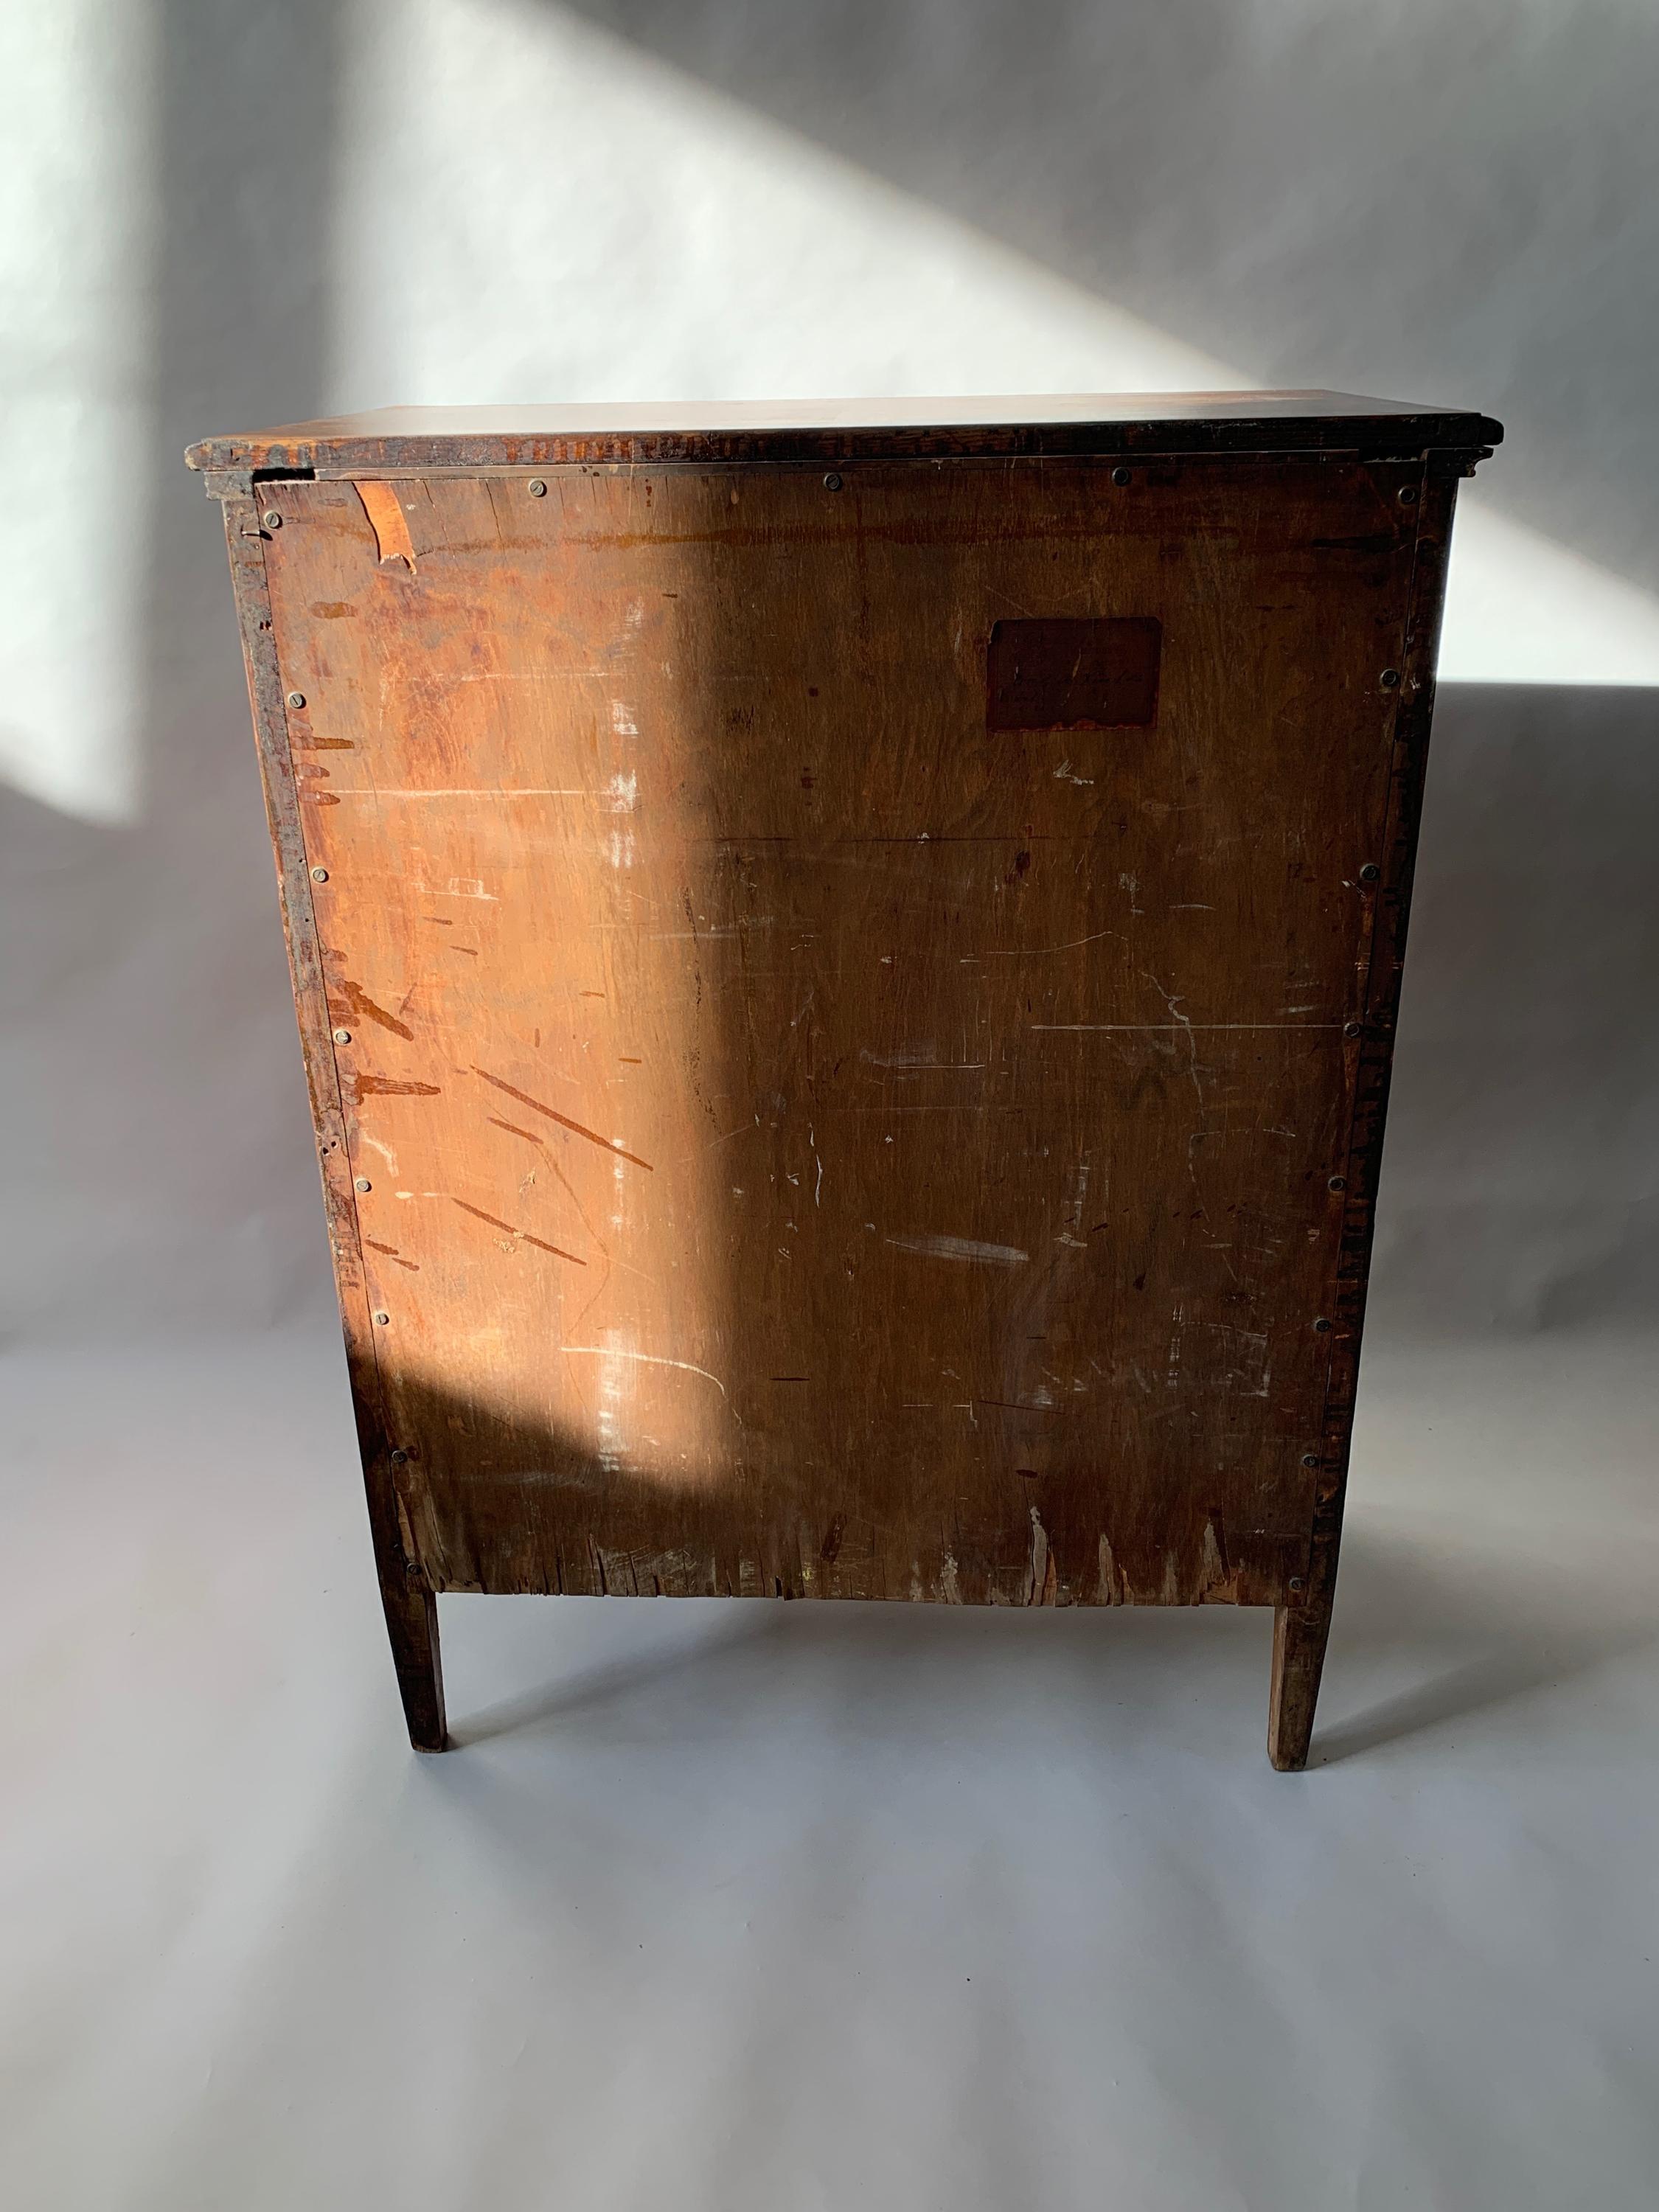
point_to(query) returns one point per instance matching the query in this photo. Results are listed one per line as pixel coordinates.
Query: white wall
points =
(214, 215)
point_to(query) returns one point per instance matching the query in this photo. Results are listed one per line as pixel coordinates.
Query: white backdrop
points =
(721, 1905)
(217, 215)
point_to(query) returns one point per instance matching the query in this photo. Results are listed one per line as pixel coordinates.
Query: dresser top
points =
(397, 440)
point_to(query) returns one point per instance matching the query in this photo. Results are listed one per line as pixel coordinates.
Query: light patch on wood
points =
(962, 1248)
(389, 523)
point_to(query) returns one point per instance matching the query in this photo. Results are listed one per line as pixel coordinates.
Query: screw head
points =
(381, 1319)
(400, 1459)
(1120, 476)
(832, 482)
(536, 488)
(1337, 1182)
(1351, 1028)
(1369, 873)
(343, 1036)
(1390, 679)
(1408, 494)
(1322, 1326)
(1311, 1459)
(271, 519)
(320, 875)
(296, 698)
(1296, 1584)
(362, 1183)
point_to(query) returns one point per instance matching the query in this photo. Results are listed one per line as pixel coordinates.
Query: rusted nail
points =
(320, 875)
(271, 519)
(296, 698)
(362, 1183)
(343, 1036)
(536, 488)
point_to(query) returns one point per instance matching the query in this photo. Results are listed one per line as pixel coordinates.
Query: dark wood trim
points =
(399, 440)
(1377, 1014)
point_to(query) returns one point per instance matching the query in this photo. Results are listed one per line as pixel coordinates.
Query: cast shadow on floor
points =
(1420, 1643)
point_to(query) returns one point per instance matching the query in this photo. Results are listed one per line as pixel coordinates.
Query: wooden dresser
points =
(846, 957)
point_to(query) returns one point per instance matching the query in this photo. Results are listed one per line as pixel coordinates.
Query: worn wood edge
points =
(1467, 438)
(400, 1572)
(1300, 1636)
(1377, 1012)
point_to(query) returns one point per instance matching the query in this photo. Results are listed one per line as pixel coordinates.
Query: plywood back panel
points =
(808, 1139)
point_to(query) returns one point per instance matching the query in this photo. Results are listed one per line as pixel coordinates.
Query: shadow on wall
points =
(1350, 202)
(1518, 1184)
(1454, 205)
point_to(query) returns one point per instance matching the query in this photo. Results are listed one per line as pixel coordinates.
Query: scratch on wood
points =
(645, 1359)
(365, 1086)
(522, 1235)
(353, 997)
(605, 1144)
(961, 1248)
(529, 1135)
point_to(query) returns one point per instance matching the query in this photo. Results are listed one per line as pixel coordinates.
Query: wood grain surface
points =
(804, 1140)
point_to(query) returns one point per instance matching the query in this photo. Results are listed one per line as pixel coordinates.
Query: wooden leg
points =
(411, 1619)
(1299, 1637)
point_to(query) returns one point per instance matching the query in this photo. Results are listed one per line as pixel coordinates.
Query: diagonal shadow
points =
(1343, 205)
(1515, 1626)
(1512, 1630)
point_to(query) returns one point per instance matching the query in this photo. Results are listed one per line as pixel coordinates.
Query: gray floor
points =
(732, 1905)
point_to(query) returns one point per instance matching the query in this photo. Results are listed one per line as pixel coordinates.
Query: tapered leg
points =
(1299, 1638)
(411, 1619)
